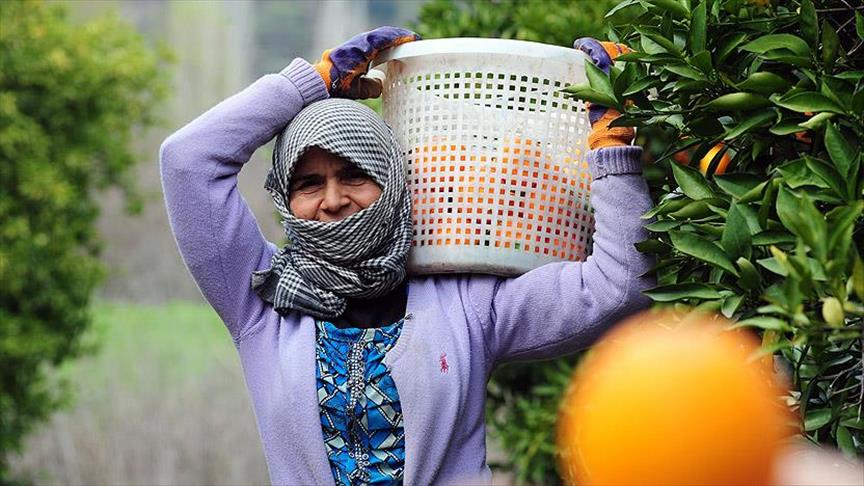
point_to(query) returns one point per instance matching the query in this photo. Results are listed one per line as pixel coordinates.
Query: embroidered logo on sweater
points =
(444, 366)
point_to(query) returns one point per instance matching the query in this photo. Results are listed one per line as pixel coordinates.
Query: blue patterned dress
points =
(361, 416)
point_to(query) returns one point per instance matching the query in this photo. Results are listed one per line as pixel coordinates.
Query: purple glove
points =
(343, 68)
(603, 55)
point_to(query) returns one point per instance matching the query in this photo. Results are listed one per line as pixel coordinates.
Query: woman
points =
(358, 374)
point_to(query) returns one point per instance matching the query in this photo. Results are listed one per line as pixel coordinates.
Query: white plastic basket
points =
(496, 153)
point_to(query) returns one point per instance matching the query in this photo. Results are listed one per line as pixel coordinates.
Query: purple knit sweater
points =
(477, 321)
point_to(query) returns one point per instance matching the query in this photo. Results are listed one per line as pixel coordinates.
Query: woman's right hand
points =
(343, 68)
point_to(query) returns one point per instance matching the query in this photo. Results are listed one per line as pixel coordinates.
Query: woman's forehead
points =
(316, 159)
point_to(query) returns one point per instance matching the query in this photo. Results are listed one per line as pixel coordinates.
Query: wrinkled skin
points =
(326, 187)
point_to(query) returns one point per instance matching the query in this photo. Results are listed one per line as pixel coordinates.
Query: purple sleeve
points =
(216, 232)
(560, 308)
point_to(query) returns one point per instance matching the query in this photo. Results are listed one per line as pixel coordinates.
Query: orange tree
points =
(70, 99)
(775, 243)
(772, 93)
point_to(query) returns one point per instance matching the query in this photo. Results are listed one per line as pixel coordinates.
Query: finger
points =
(363, 88)
(595, 51)
(595, 112)
(386, 37)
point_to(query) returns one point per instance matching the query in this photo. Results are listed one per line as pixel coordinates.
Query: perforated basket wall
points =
(496, 153)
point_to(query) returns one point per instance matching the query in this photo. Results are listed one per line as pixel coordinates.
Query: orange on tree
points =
(659, 403)
(705, 163)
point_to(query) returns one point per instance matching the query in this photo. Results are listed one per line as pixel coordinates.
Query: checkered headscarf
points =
(361, 256)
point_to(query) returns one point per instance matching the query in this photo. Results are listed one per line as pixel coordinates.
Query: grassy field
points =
(161, 402)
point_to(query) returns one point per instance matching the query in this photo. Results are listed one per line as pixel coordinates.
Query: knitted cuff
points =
(615, 160)
(306, 79)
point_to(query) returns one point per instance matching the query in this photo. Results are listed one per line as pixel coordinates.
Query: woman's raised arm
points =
(560, 308)
(216, 232)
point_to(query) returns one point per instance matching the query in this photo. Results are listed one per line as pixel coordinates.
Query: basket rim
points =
(481, 45)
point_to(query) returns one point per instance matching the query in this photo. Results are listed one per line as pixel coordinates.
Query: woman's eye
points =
(307, 185)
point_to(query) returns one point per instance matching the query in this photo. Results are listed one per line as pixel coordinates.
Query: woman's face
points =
(326, 187)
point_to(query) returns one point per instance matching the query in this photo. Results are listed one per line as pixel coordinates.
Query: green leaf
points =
(816, 236)
(827, 174)
(737, 184)
(598, 80)
(625, 79)
(817, 419)
(796, 174)
(657, 38)
(692, 183)
(702, 249)
(641, 85)
(626, 12)
(667, 206)
(764, 82)
(697, 28)
(750, 277)
(764, 322)
(841, 152)
(778, 41)
(676, 8)
(728, 46)
(786, 128)
(694, 210)
(786, 56)
(859, 24)
(809, 27)
(830, 45)
(662, 226)
(816, 121)
(841, 221)
(738, 102)
(754, 194)
(853, 422)
(775, 266)
(672, 293)
(773, 237)
(652, 246)
(789, 211)
(754, 121)
(858, 277)
(730, 305)
(685, 71)
(736, 234)
(845, 442)
(586, 93)
(853, 76)
(702, 61)
(808, 101)
(803, 219)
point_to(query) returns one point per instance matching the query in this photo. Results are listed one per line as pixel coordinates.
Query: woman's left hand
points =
(603, 55)
(343, 68)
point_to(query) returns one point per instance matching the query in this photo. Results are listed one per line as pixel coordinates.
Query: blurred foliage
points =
(522, 398)
(557, 22)
(71, 98)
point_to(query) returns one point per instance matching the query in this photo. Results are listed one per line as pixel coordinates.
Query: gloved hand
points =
(344, 67)
(603, 54)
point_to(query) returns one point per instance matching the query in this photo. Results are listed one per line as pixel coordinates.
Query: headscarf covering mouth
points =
(360, 256)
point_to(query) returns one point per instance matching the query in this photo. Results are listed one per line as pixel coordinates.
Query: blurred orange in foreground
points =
(660, 403)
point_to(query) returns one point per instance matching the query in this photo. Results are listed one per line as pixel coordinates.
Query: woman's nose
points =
(335, 198)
